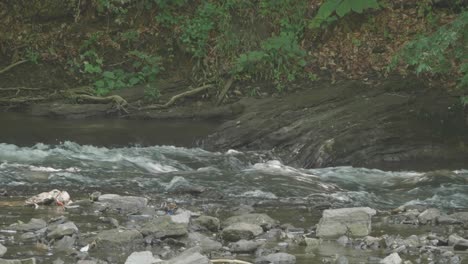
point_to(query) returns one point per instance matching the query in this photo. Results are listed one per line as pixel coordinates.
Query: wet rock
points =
(179, 184)
(462, 217)
(205, 243)
(66, 229)
(458, 242)
(238, 231)
(65, 244)
(181, 216)
(312, 242)
(276, 258)
(190, 256)
(262, 220)
(342, 260)
(143, 257)
(33, 225)
(393, 258)
(345, 221)
(124, 204)
(18, 261)
(447, 220)
(242, 209)
(163, 226)
(3, 250)
(210, 223)
(343, 240)
(372, 242)
(245, 246)
(429, 216)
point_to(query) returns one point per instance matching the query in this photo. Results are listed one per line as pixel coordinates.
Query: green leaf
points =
(108, 74)
(133, 81)
(343, 8)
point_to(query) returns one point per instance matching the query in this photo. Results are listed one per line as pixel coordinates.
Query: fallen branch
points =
(11, 66)
(178, 96)
(19, 89)
(118, 101)
(235, 261)
(225, 90)
(22, 100)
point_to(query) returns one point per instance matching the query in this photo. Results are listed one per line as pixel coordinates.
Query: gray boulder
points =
(3, 250)
(65, 244)
(262, 220)
(124, 204)
(458, 242)
(238, 231)
(393, 258)
(190, 256)
(66, 229)
(245, 246)
(142, 257)
(163, 226)
(33, 225)
(429, 216)
(277, 258)
(210, 223)
(354, 222)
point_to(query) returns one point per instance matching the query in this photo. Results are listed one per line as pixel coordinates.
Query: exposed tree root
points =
(18, 89)
(225, 90)
(23, 100)
(177, 97)
(230, 261)
(11, 66)
(117, 100)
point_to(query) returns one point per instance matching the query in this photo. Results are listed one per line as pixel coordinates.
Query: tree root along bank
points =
(177, 97)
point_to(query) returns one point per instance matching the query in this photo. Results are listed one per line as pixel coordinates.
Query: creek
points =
(131, 157)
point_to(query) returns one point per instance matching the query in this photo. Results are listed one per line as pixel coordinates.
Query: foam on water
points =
(235, 173)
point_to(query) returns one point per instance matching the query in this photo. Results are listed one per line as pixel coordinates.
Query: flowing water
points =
(109, 159)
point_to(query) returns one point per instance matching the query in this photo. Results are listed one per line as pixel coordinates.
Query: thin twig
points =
(224, 91)
(11, 66)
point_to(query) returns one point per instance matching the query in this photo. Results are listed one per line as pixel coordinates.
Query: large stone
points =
(182, 216)
(277, 258)
(262, 220)
(206, 243)
(429, 216)
(33, 225)
(18, 261)
(458, 242)
(66, 229)
(462, 217)
(163, 226)
(208, 222)
(65, 244)
(123, 204)
(346, 221)
(3, 250)
(143, 257)
(238, 231)
(190, 256)
(393, 258)
(179, 184)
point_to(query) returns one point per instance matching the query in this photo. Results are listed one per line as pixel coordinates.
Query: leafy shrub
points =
(327, 11)
(280, 59)
(444, 51)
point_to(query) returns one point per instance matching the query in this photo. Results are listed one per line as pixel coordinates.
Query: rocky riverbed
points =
(109, 228)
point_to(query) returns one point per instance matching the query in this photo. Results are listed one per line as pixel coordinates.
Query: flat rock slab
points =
(346, 221)
(33, 225)
(163, 226)
(118, 236)
(190, 256)
(123, 203)
(143, 257)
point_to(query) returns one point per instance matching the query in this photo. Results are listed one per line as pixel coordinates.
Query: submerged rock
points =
(277, 258)
(123, 204)
(18, 261)
(346, 221)
(33, 225)
(262, 220)
(3, 250)
(238, 231)
(143, 257)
